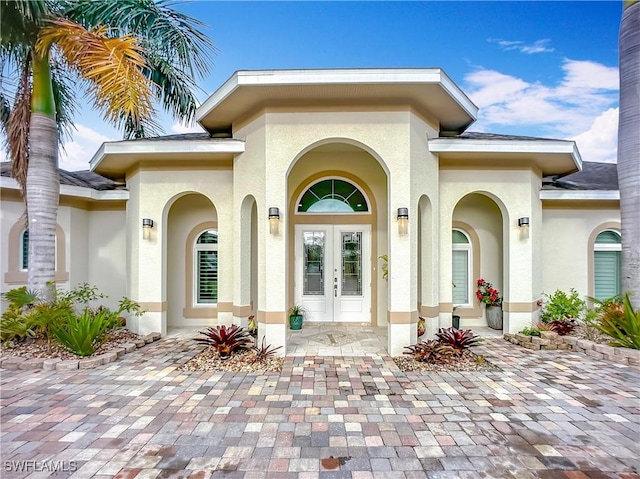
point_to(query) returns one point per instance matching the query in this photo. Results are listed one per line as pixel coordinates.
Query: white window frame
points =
(196, 280)
(468, 247)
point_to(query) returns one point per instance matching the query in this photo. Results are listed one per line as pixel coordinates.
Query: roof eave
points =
(339, 76)
(585, 195)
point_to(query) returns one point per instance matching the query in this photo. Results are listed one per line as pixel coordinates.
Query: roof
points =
(427, 90)
(594, 176)
(84, 179)
(552, 156)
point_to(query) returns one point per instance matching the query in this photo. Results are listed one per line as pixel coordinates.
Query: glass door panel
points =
(351, 263)
(313, 262)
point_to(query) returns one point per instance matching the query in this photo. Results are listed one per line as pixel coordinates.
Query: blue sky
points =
(544, 69)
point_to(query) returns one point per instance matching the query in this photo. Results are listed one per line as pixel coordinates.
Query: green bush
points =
(621, 324)
(562, 306)
(531, 331)
(69, 318)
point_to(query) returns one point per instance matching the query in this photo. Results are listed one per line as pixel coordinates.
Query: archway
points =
(192, 262)
(478, 252)
(337, 230)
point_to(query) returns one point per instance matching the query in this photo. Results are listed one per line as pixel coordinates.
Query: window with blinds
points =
(460, 262)
(206, 268)
(607, 268)
(24, 262)
(24, 251)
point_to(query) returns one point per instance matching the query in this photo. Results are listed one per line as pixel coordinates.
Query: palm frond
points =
(161, 28)
(65, 95)
(20, 20)
(18, 129)
(173, 88)
(113, 66)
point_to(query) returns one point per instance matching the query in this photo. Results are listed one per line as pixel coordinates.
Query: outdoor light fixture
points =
(147, 224)
(523, 223)
(274, 220)
(403, 221)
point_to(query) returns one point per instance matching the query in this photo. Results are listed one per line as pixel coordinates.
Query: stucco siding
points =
(565, 246)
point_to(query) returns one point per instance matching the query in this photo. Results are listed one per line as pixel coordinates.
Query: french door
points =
(332, 272)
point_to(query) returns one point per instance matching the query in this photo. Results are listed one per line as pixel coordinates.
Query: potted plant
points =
(296, 315)
(455, 318)
(490, 296)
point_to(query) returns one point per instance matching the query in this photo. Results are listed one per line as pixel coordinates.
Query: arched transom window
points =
(333, 196)
(206, 268)
(607, 257)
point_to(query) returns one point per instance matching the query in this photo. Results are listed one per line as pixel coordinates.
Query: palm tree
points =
(128, 53)
(629, 145)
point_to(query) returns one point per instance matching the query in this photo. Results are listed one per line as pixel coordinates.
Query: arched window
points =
(607, 257)
(461, 267)
(206, 268)
(333, 196)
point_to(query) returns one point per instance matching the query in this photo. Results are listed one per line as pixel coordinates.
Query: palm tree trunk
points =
(629, 147)
(43, 183)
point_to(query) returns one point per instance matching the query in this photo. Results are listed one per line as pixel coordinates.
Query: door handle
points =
(335, 290)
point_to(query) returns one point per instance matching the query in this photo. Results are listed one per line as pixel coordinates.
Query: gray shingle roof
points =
(475, 135)
(85, 179)
(594, 176)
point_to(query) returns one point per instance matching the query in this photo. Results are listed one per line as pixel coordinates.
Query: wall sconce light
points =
(523, 223)
(274, 220)
(147, 224)
(403, 221)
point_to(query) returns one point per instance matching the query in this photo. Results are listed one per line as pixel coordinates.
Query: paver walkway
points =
(545, 414)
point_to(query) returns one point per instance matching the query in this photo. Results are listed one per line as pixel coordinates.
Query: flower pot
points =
(295, 321)
(494, 317)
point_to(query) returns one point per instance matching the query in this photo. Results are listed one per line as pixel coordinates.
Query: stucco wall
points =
(153, 192)
(565, 251)
(94, 248)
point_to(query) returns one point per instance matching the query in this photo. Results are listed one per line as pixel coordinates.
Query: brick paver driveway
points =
(548, 414)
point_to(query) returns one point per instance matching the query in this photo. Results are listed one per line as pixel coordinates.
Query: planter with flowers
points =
(491, 298)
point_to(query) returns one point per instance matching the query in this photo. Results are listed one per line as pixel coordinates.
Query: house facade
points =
(357, 194)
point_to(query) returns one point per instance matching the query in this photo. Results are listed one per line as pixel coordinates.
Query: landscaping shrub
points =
(622, 325)
(83, 334)
(225, 339)
(69, 318)
(430, 351)
(531, 331)
(562, 326)
(265, 351)
(562, 306)
(459, 339)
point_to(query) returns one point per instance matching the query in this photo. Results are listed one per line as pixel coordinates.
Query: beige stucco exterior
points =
(399, 152)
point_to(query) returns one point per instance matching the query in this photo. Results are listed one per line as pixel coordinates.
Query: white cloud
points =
(600, 142)
(538, 46)
(76, 153)
(507, 103)
(182, 128)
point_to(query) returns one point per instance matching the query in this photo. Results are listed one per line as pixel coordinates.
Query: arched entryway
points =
(192, 262)
(335, 235)
(477, 238)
